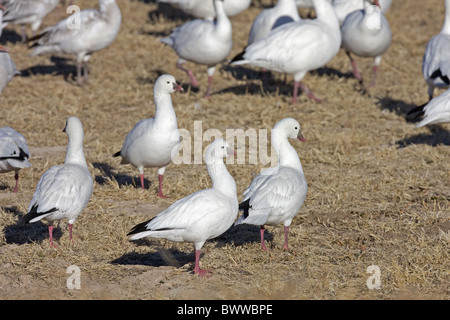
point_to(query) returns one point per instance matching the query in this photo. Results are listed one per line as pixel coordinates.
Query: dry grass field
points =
(379, 191)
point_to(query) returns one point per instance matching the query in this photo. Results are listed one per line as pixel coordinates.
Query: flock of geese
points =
(279, 40)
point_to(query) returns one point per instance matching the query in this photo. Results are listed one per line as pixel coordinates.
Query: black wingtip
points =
(33, 213)
(117, 154)
(139, 227)
(245, 206)
(438, 74)
(238, 57)
(417, 112)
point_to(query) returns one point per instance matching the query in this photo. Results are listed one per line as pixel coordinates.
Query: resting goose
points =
(153, 142)
(64, 190)
(277, 194)
(201, 216)
(203, 42)
(14, 153)
(97, 30)
(204, 9)
(268, 19)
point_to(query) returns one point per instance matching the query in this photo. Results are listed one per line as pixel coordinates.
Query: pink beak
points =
(301, 137)
(3, 49)
(231, 152)
(177, 87)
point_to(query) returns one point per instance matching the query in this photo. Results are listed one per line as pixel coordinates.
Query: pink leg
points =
(190, 74)
(286, 232)
(261, 231)
(374, 76)
(142, 181)
(208, 90)
(16, 177)
(308, 93)
(197, 270)
(50, 232)
(70, 231)
(160, 193)
(356, 73)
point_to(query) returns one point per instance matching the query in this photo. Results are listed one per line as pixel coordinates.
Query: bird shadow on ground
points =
(121, 179)
(21, 233)
(399, 107)
(243, 234)
(237, 235)
(269, 83)
(10, 36)
(163, 257)
(438, 134)
(60, 67)
(169, 12)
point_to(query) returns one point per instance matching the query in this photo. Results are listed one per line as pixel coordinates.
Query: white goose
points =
(201, 216)
(436, 111)
(277, 194)
(345, 7)
(283, 12)
(23, 12)
(7, 68)
(97, 30)
(204, 9)
(64, 190)
(203, 42)
(436, 59)
(366, 33)
(153, 142)
(14, 153)
(298, 47)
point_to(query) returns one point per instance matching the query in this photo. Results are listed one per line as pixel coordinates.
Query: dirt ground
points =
(379, 191)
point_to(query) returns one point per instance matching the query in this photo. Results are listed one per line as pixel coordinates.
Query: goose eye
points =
(296, 128)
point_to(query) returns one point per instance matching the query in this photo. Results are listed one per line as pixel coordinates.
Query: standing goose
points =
(203, 42)
(96, 30)
(7, 68)
(436, 59)
(64, 190)
(23, 12)
(298, 47)
(277, 194)
(204, 9)
(201, 216)
(366, 33)
(153, 142)
(14, 153)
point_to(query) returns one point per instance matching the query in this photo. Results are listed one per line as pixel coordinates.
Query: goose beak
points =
(2, 8)
(377, 3)
(177, 87)
(231, 152)
(301, 137)
(3, 49)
